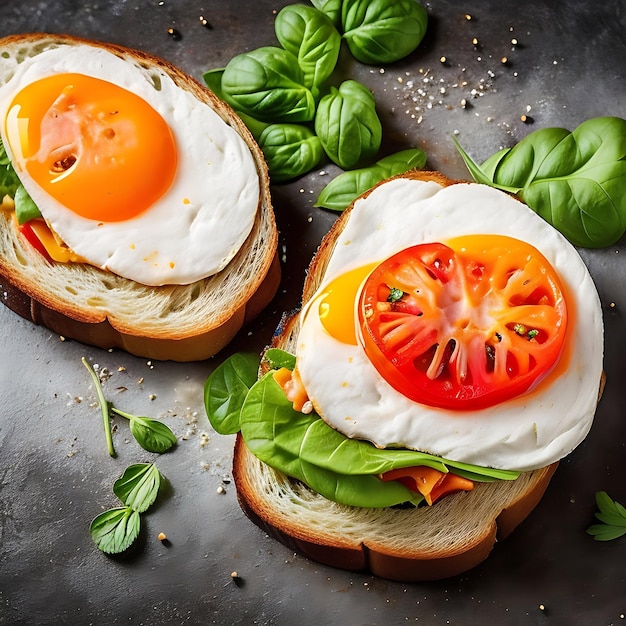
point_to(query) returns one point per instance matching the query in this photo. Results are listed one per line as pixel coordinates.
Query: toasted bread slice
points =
(402, 544)
(416, 544)
(177, 322)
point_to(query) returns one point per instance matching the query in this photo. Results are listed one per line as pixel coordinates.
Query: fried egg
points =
(528, 431)
(134, 173)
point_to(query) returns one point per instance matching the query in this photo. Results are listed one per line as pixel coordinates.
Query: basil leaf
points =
(278, 358)
(347, 124)
(311, 37)
(268, 84)
(331, 8)
(383, 31)
(115, 530)
(138, 486)
(290, 150)
(575, 180)
(213, 80)
(346, 187)
(226, 388)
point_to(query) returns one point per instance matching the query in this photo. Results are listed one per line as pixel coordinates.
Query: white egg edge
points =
(216, 189)
(523, 434)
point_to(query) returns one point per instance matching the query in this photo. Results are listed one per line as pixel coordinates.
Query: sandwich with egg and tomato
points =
(136, 210)
(447, 354)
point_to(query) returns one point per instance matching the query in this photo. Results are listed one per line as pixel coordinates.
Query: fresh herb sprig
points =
(152, 435)
(612, 517)
(114, 530)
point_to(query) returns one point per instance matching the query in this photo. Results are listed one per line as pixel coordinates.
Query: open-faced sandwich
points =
(136, 210)
(448, 353)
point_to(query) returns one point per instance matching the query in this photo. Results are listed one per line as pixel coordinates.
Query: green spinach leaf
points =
(268, 84)
(138, 486)
(115, 530)
(25, 207)
(383, 31)
(300, 445)
(9, 181)
(290, 150)
(348, 186)
(277, 358)
(575, 180)
(310, 36)
(348, 125)
(226, 388)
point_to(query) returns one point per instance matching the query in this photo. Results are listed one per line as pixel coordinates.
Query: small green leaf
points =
(115, 530)
(279, 358)
(138, 486)
(226, 388)
(152, 435)
(346, 187)
(613, 517)
(25, 207)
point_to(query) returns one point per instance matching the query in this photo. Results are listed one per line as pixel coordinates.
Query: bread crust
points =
(408, 545)
(84, 303)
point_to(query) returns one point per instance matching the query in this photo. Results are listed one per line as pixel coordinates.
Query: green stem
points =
(104, 407)
(128, 416)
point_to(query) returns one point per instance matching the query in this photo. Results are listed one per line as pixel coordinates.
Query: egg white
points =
(195, 228)
(525, 433)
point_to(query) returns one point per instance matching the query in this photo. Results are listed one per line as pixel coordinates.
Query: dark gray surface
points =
(55, 475)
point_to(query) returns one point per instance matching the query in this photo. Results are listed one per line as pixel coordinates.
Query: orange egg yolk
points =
(336, 305)
(98, 149)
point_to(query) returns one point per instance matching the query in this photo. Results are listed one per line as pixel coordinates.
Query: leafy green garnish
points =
(116, 529)
(9, 182)
(382, 31)
(347, 186)
(312, 38)
(612, 516)
(575, 180)
(304, 447)
(395, 294)
(138, 486)
(347, 124)
(287, 96)
(290, 150)
(225, 388)
(150, 434)
(277, 358)
(25, 207)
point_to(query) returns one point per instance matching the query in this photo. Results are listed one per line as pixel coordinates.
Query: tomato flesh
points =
(466, 325)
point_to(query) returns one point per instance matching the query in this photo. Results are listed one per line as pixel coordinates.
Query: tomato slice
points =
(464, 326)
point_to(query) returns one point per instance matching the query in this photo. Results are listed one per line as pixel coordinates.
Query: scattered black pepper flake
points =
(174, 34)
(526, 119)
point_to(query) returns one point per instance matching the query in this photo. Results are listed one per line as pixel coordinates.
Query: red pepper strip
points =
(431, 483)
(27, 230)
